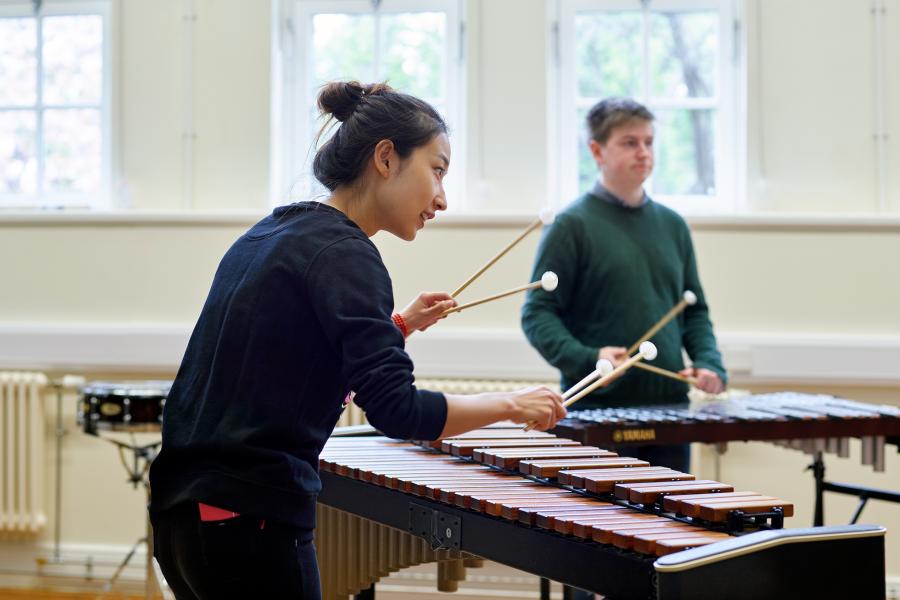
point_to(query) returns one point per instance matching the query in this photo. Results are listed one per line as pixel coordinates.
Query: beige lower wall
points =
(792, 280)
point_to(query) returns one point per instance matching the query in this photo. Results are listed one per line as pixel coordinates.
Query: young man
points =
(623, 261)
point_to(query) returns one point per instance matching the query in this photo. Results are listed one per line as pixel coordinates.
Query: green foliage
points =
(409, 55)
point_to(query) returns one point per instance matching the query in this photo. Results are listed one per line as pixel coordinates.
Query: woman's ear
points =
(385, 158)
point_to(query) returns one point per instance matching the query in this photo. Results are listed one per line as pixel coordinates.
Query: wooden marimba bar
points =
(558, 466)
(806, 422)
(550, 506)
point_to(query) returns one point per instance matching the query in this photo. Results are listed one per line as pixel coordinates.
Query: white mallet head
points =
(549, 281)
(547, 216)
(604, 367)
(690, 297)
(647, 350)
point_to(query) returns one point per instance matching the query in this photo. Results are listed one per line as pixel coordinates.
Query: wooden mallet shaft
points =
(521, 288)
(587, 379)
(548, 282)
(666, 373)
(599, 382)
(605, 379)
(688, 299)
(543, 219)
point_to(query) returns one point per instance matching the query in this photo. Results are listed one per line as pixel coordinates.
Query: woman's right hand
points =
(539, 405)
(426, 309)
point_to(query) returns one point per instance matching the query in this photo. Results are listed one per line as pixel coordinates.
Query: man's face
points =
(626, 158)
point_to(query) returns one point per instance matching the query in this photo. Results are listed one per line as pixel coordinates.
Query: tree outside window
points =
(668, 56)
(52, 109)
(411, 45)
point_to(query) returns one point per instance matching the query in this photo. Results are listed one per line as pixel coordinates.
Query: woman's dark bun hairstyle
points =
(368, 114)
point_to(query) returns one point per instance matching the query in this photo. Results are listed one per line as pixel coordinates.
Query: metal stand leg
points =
(151, 584)
(863, 493)
(57, 507)
(142, 456)
(863, 500)
(123, 564)
(818, 469)
(545, 588)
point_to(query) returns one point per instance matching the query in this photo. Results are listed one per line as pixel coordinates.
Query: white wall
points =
(227, 98)
(811, 150)
(892, 45)
(506, 85)
(811, 102)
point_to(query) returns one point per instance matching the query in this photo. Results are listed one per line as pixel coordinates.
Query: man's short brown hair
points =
(610, 113)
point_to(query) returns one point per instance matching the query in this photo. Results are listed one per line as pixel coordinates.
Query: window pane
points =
(305, 183)
(73, 59)
(683, 54)
(608, 54)
(18, 164)
(684, 153)
(343, 48)
(413, 49)
(18, 62)
(587, 168)
(72, 150)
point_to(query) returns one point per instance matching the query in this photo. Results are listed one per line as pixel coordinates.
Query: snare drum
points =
(123, 406)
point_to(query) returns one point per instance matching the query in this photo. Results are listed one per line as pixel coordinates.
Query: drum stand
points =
(141, 457)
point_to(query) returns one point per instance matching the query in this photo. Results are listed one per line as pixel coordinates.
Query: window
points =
(413, 45)
(676, 57)
(54, 105)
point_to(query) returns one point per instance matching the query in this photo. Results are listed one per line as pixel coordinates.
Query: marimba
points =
(811, 423)
(576, 514)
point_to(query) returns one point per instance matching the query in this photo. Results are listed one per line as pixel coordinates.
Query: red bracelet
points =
(398, 320)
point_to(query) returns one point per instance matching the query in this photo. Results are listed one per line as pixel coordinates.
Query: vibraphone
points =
(813, 424)
(579, 515)
(801, 421)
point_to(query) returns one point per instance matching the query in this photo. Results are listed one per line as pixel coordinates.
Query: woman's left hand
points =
(426, 310)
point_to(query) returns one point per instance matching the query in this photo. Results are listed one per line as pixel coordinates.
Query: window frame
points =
(292, 73)
(730, 129)
(42, 199)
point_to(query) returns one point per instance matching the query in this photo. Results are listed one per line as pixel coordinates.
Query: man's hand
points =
(707, 380)
(614, 354)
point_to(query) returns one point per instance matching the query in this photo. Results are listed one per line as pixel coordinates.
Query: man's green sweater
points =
(620, 270)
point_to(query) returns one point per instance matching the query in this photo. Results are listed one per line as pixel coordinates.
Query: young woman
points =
(299, 315)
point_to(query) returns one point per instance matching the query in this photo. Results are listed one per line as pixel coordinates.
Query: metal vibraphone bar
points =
(811, 423)
(582, 516)
(806, 422)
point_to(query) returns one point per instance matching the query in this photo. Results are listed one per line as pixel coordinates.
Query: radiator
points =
(21, 452)
(353, 415)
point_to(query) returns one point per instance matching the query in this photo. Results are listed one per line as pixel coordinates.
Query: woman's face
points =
(413, 193)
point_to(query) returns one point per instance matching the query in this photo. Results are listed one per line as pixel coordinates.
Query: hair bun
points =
(341, 98)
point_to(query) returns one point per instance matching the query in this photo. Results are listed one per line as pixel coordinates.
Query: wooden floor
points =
(491, 582)
(16, 594)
